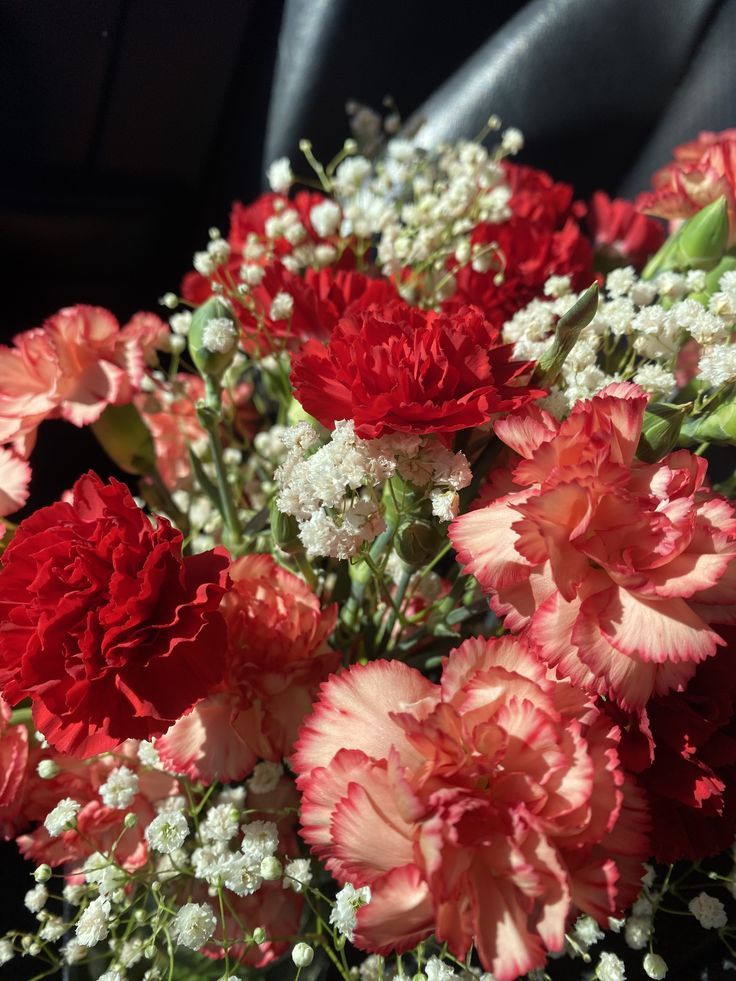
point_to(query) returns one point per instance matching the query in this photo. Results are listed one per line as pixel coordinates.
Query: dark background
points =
(128, 126)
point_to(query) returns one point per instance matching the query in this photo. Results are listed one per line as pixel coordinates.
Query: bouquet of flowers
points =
(413, 653)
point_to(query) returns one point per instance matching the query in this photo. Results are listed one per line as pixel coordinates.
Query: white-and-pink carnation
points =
(613, 568)
(72, 368)
(15, 475)
(485, 810)
(277, 655)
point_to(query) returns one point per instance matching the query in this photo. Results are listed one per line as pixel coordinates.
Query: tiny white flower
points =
(587, 932)
(265, 777)
(260, 839)
(120, 788)
(53, 929)
(280, 175)
(148, 754)
(74, 893)
(282, 306)
(437, 970)
(35, 899)
(637, 932)
(61, 817)
(203, 263)
(325, 218)
(512, 140)
(297, 874)
(220, 824)
(708, 911)
(655, 967)
(167, 832)
(193, 925)
(219, 335)
(344, 914)
(6, 952)
(115, 974)
(610, 968)
(252, 274)
(93, 925)
(73, 952)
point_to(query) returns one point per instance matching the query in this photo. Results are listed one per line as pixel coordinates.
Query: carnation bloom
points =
(621, 234)
(320, 298)
(400, 369)
(484, 810)
(74, 366)
(276, 656)
(541, 239)
(105, 625)
(702, 171)
(14, 753)
(614, 568)
(682, 748)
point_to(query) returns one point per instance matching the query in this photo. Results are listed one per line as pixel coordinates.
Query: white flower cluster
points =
(331, 489)
(655, 333)
(344, 914)
(237, 869)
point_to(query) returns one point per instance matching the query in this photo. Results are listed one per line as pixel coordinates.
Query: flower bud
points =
(703, 238)
(567, 332)
(47, 769)
(302, 955)
(285, 530)
(271, 868)
(210, 359)
(259, 935)
(713, 278)
(42, 873)
(654, 966)
(130, 820)
(660, 431)
(418, 542)
(125, 438)
(717, 425)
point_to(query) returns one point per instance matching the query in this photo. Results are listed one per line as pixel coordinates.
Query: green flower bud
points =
(213, 337)
(567, 332)
(703, 237)
(717, 425)
(259, 935)
(285, 530)
(271, 868)
(418, 542)
(660, 431)
(124, 436)
(42, 873)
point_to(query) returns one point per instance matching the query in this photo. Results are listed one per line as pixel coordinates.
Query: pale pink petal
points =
(15, 475)
(399, 915)
(505, 943)
(485, 543)
(353, 712)
(525, 431)
(322, 788)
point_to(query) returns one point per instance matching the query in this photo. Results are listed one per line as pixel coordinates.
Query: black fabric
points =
(129, 125)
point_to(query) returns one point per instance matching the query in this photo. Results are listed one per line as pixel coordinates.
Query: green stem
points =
(229, 511)
(383, 641)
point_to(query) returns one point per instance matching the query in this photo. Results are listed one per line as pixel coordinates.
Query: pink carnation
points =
(277, 654)
(74, 366)
(486, 810)
(702, 171)
(15, 475)
(613, 568)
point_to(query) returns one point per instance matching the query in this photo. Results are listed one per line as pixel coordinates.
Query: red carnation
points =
(399, 369)
(621, 234)
(541, 239)
(683, 750)
(104, 624)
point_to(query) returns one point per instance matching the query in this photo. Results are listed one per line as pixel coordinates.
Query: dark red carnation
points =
(537, 198)
(531, 254)
(683, 749)
(621, 234)
(321, 297)
(104, 624)
(400, 369)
